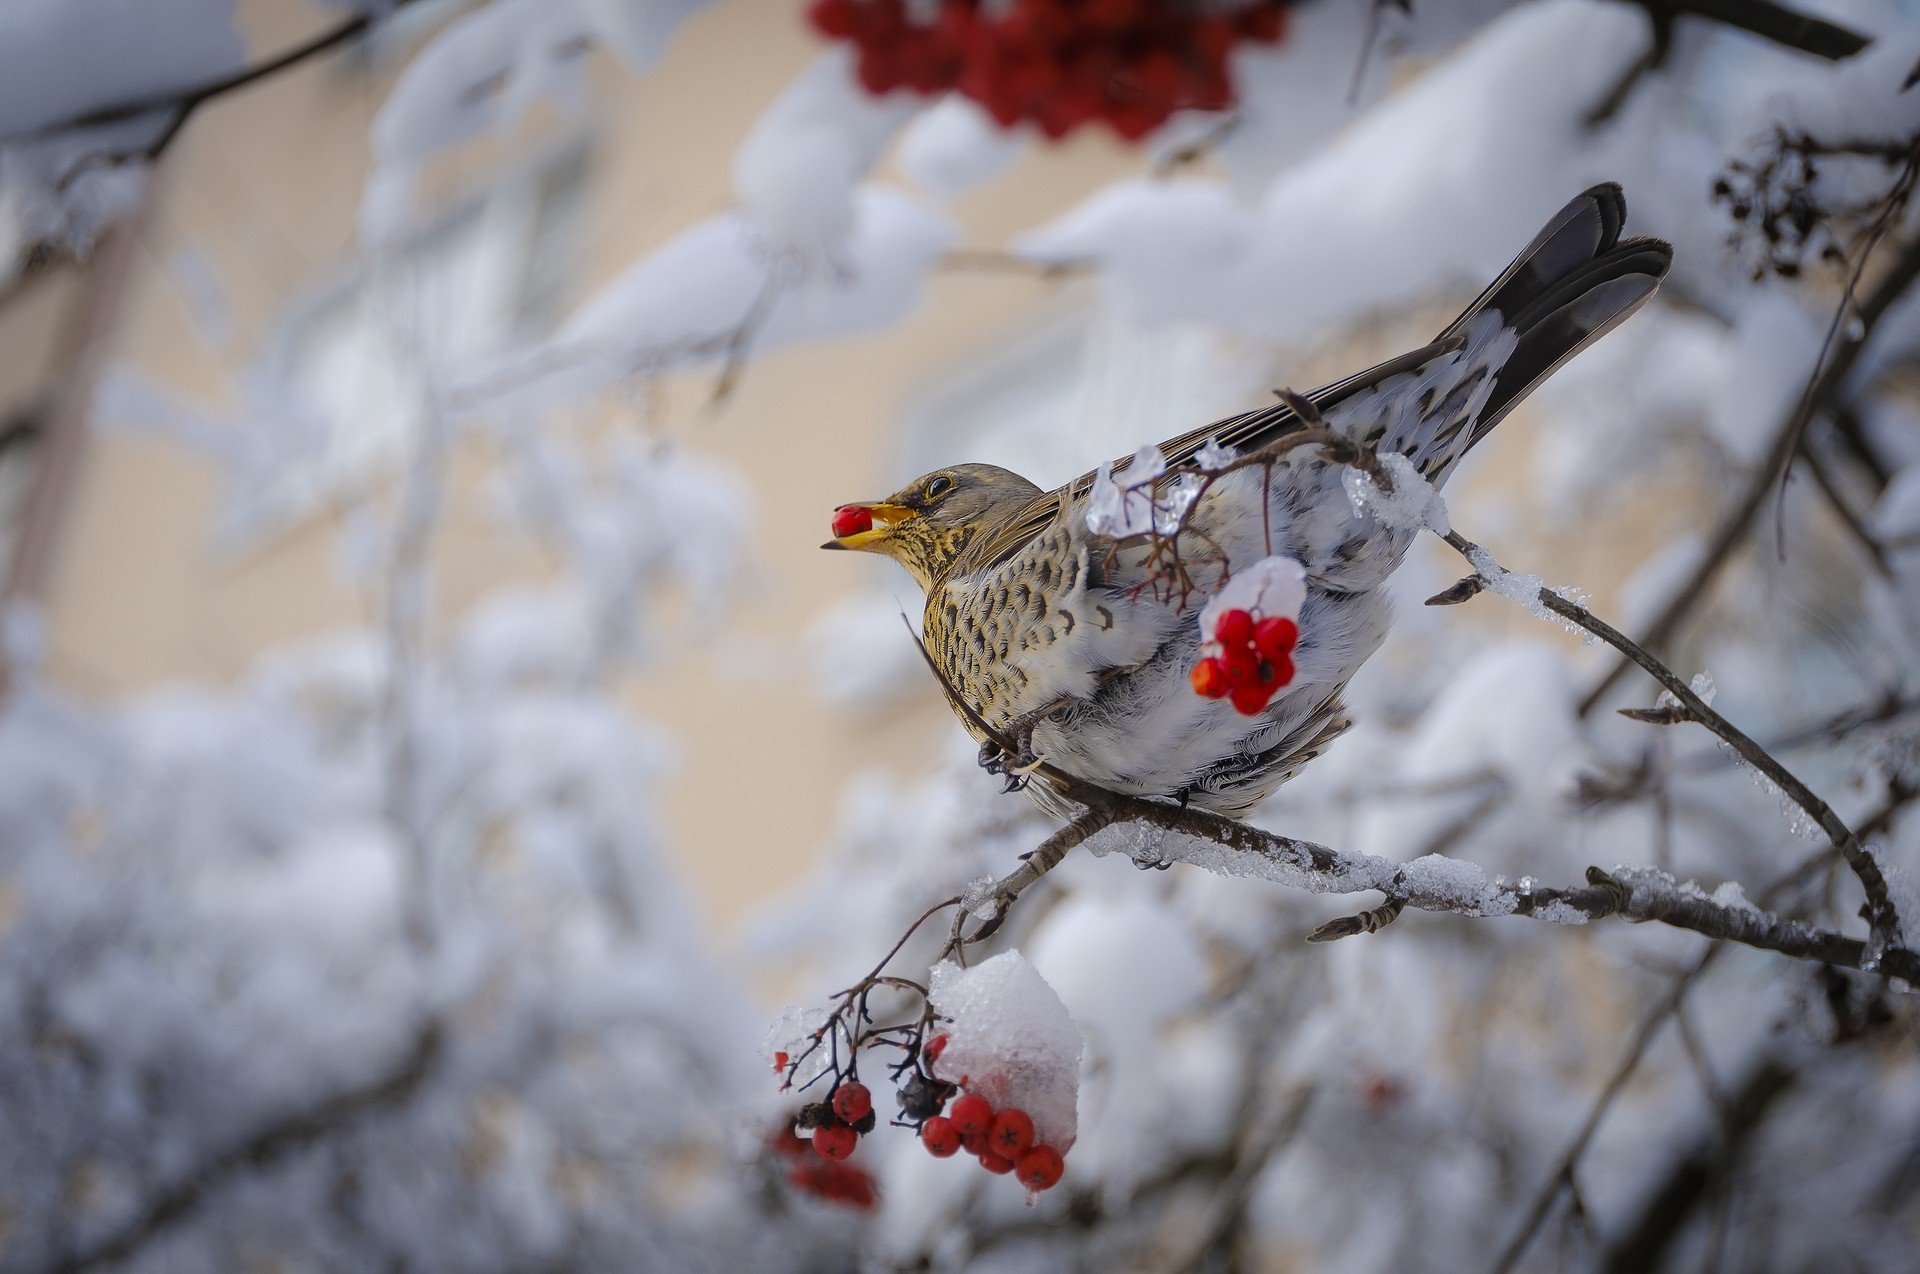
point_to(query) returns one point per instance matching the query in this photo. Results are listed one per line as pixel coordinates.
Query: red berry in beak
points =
(851, 519)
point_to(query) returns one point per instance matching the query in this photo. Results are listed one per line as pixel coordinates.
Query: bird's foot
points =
(1017, 769)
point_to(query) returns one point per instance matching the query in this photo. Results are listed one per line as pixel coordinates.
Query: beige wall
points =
(266, 183)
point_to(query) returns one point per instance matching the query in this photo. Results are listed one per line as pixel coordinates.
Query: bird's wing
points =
(1245, 432)
(1571, 285)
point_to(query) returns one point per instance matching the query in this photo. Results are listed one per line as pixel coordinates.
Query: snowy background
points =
(378, 953)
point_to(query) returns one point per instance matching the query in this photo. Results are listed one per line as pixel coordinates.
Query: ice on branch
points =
(1412, 505)
(1701, 685)
(1511, 585)
(1462, 886)
(1011, 1040)
(1124, 506)
(795, 1037)
(1215, 455)
(1170, 511)
(980, 900)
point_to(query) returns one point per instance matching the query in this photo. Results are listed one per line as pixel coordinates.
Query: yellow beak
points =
(886, 517)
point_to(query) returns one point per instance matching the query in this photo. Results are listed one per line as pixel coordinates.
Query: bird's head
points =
(925, 524)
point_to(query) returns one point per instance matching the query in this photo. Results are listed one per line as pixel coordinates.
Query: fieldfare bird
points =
(1076, 637)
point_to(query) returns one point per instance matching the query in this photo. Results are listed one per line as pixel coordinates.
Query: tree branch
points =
(186, 101)
(1879, 909)
(1822, 394)
(1787, 27)
(265, 1147)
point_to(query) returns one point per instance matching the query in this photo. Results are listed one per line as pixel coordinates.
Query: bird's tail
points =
(1566, 290)
(1572, 285)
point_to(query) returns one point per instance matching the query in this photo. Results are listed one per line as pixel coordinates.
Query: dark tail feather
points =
(1586, 228)
(1572, 285)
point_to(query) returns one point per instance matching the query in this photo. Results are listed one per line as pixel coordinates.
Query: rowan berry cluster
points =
(1002, 1140)
(832, 1180)
(839, 1122)
(1254, 659)
(1057, 63)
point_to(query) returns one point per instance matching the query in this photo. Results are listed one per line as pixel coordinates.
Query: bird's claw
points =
(1018, 770)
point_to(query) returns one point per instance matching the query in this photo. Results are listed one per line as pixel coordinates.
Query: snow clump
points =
(1011, 1040)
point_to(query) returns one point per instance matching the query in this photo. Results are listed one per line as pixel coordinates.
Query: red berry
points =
(940, 1137)
(1276, 637)
(977, 1143)
(972, 1114)
(1012, 1133)
(998, 1165)
(834, 1141)
(852, 1102)
(1242, 665)
(836, 1182)
(1235, 628)
(833, 17)
(1040, 1168)
(787, 1142)
(1109, 15)
(779, 1062)
(1262, 23)
(1161, 81)
(934, 1047)
(1250, 697)
(1135, 122)
(1210, 679)
(851, 519)
(879, 70)
(1213, 36)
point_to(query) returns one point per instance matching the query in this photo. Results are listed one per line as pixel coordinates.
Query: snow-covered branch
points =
(1883, 920)
(1158, 834)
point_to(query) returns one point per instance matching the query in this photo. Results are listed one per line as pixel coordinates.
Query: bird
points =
(1069, 647)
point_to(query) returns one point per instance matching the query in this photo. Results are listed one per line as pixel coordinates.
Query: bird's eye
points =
(939, 486)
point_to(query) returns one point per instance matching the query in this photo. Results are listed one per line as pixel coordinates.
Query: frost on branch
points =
(1119, 507)
(1412, 503)
(61, 59)
(1011, 1041)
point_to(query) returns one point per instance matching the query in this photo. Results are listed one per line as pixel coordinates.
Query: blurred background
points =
(434, 745)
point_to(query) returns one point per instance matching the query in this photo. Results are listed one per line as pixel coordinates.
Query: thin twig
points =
(1629, 1062)
(1824, 390)
(1879, 909)
(187, 100)
(263, 1148)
